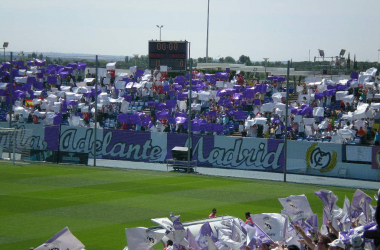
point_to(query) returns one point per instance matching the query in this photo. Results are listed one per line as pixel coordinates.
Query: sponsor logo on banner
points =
(320, 160)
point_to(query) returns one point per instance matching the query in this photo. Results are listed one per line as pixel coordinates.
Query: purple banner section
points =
(51, 137)
(273, 146)
(375, 157)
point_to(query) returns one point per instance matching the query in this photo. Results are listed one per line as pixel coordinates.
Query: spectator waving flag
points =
(62, 240)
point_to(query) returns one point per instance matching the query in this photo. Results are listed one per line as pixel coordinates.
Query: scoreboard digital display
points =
(172, 54)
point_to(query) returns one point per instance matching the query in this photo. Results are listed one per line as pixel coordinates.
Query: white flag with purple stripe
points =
(62, 240)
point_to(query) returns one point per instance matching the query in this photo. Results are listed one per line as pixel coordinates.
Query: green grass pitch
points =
(38, 200)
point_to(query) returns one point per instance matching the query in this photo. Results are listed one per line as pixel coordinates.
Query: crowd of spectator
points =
(351, 227)
(224, 103)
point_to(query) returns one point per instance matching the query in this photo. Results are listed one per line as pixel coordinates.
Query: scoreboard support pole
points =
(189, 145)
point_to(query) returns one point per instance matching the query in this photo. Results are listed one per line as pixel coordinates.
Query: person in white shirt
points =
(301, 130)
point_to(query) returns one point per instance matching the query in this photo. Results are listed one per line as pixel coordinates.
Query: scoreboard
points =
(172, 54)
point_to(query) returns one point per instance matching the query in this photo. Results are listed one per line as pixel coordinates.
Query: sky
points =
(277, 29)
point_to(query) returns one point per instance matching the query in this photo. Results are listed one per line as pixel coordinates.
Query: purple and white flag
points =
(251, 234)
(179, 233)
(345, 221)
(312, 221)
(142, 238)
(359, 202)
(232, 241)
(62, 240)
(261, 237)
(203, 235)
(326, 217)
(328, 199)
(296, 207)
(191, 240)
(272, 224)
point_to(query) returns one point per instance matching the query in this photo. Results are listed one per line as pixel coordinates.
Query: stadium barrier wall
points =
(316, 158)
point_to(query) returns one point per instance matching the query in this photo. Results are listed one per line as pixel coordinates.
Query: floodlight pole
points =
(189, 145)
(208, 18)
(96, 106)
(265, 70)
(160, 27)
(286, 121)
(11, 101)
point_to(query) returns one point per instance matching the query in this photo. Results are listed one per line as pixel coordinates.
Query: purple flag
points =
(328, 199)
(140, 72)
(39, 62)
(81, 66)
(57, 120)
(180, 120)
(52, 80)
(319, 96)
(72, 65)
(249, 93)
(123, 118)
(163, 115)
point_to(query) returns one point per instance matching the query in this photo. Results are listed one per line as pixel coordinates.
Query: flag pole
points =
(96, 107)
(286, 121)
(11, 104)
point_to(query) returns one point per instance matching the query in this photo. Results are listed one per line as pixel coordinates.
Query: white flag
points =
(296, 207)
(273, 225)
(165, 223)
(142, 238)
(62, 240)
